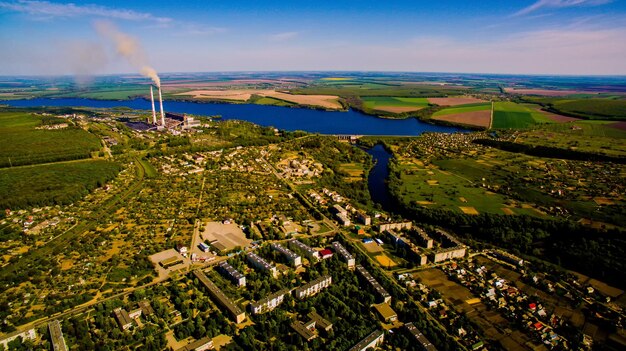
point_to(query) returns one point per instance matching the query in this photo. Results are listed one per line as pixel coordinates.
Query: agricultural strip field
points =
(394, 104)
(244, 95)
(21, 143)
(477, 118)
(478, 115)
(517, 116)
(455, 101)
(59, 183)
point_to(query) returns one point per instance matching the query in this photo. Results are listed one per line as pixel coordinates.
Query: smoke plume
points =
(129, 48)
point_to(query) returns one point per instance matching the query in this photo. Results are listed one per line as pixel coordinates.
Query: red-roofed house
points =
(532, 307)
(326, 253)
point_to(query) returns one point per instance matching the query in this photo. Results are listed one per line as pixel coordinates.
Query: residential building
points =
(448, 254)
(304, 332)
(345, 255)
(313, 287)
(268, 303)
(294, 259)
(308, 251)
(343, 219)
(235, 311)
(374, 339)
(380, 291)
(122, 318)
(203, 344)
(231, 273)
(260, 263)
(420, 338)
(56, 336)
(423, 238)
(339, 210)
(394, 226)
(364, 218)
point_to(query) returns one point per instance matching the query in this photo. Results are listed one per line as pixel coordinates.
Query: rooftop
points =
(218, 294)
(426, 345)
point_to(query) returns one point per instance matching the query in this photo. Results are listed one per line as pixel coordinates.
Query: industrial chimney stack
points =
(153, 109)
(161, 105)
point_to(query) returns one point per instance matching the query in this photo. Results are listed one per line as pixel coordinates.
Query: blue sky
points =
(530, 37)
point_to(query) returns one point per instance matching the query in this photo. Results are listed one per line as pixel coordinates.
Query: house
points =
(324, 254)
(386, 313)
(364, 218)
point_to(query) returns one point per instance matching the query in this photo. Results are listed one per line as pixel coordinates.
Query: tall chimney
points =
(153, 109)
(162, 112)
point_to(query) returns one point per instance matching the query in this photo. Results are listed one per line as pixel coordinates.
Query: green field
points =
(452, 187)
(517, 116)
(260, 100)
(463, 109)
(608, 108)
(21, 143)
(388, 101)
(59, 183)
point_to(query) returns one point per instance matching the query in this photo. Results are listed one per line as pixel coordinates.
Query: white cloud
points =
(559, 4)
(283, 36)
(48, 9)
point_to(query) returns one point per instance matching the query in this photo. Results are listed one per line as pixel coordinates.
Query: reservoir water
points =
(314, 121)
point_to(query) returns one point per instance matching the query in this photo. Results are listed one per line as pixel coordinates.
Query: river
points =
(377, 180)
(349, 122)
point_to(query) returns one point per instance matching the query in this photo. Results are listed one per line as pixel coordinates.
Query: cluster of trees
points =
(548, 151)
(55, 184)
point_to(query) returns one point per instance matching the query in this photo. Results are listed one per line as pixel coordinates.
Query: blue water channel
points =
(315, 121)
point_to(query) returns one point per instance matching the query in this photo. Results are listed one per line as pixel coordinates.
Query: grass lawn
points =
(21, 143)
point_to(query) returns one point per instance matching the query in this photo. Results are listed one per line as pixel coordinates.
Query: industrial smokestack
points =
(161, 105)
(153, 109)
